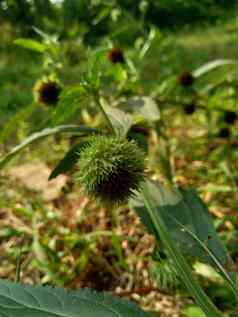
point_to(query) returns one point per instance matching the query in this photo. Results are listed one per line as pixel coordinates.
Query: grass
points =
(207, 42)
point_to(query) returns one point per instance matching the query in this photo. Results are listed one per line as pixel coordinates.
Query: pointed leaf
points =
(184, 206)
(69, 160)
(193, 311)
(31, 45)
(69, 102)
(121, 120)
(17, 300)
(143, 106)
(180, 264)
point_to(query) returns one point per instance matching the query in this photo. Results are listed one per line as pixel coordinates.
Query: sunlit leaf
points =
(31, 45)
(202, 70)
(145, 107)
(121, 120)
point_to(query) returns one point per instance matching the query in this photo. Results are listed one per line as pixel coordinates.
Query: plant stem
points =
(114, 217)
(182, 267)
(100, 106)
(18, 266)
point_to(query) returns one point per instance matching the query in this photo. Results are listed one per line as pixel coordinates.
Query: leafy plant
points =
(116, 115)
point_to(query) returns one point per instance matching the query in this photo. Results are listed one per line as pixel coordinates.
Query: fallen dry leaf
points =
(34, 177)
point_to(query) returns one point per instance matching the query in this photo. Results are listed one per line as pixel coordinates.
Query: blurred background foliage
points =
(95, 17)
(124, 23)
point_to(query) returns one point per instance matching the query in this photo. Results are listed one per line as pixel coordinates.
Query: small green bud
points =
(111, 169)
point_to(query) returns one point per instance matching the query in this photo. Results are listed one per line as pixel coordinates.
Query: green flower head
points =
(111, 169)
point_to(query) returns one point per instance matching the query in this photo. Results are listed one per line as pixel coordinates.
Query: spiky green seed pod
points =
(111, 169)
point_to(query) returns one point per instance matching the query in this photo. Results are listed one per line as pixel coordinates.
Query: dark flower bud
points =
(47, 91)
(111, 169)
(115, 55)
(189, 108)
(230, 117)
(186, 79)
(224, 133)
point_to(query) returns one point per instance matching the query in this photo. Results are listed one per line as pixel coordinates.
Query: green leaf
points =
(69, 160)
(120, 120)
(145, 107)
(163, 155)
(69, 101)
(17, 300)
(190, 225)
(207, 272)
(204, 69)
(180, 263)
(103, 13)
(154, 33)
(71, 128)
(183, 206)
(193, 311)
(31, 45)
